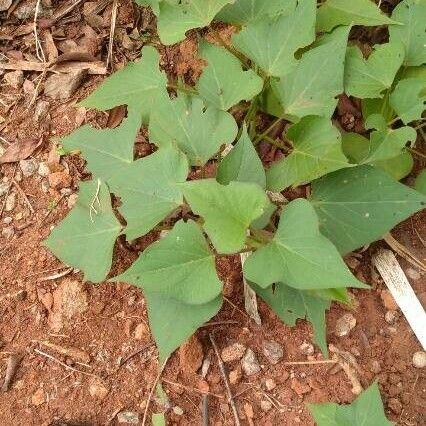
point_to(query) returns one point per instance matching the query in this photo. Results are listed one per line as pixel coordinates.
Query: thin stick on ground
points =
(151, 393)
(111, 34)
(320, 361)
(225, 379)
(205, 410)
(68, 367)
(12, 365)
(8, 192)
(39, 48)
(195, 390)
(23, 195)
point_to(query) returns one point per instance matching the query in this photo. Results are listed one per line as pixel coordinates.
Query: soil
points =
(87, 353)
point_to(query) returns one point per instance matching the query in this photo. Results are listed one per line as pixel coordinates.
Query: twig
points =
(180, 385)
(12, 365)
(225, 379)
(23, 195)
(56, 276)
(111, 34)
(68, 367)
(133, 354)
(415, 152)
(61, 14)
(39, 48)
(265, 133)
(151, 393)
(205, 410)
(320, 361)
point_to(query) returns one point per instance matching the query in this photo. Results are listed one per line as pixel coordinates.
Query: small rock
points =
(10, 202)
(45, 186)
(43, 169)
(128, 417)
(419, 359)
(307, 348)
(4, 187)
(177, 410)
(141, 331)
(59, 180)
(8, 220)
(265, 405)
(191, 355)
(375, 367)
(270, 384)
(248, 410)
(98, 391)
(345, 324)
(41, 110)
(299, 387)
(5, 4)
(28, 167)
(66, 192)
(413, 274)
(235, 376)
(233, 352)
(8, 232)
(395, 405)
(38, 397)
(21, 295)
(250, 364)
(63, 86)
(388, 300)
(273, 351)
(391, 317)
(14, 79)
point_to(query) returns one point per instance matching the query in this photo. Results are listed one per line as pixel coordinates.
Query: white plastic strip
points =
(395, 279)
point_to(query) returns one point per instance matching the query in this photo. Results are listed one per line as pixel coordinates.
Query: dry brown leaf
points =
(5, 4)
(116, 116)
(20, 150)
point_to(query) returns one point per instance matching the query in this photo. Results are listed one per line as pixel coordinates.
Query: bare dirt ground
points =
(86, 356)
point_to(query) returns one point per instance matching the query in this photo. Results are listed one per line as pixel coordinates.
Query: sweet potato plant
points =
(288, 61)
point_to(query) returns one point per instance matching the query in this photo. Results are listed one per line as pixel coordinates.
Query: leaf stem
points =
(184, 89)
(275, 143)
(415, 152)
(230, 48)
(265, 133)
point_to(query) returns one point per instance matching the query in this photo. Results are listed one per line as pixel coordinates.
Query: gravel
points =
(419, 359)
(250, 364)
(345, 324)
(273, 352)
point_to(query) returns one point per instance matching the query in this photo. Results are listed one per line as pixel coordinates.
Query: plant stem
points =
(265, 133)
(185, 89)
(393, 121)
(253, 243)
(231, 49)
(420, 126)
(274, 142)
(415, 152)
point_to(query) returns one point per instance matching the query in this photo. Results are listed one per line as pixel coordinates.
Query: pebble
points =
(4, 187)
(7, 220)
(250, 364)
(265, 405)
(391, 316)
(43, 169)
(388, 300)
(72, 199)
(59, 180)
(98, 391)
(45, 186)
(345, 324)
(21, 295)
(235, 376)
(270, 384)
(307, 348)
(28, 167)
(141, 331)
(419, 359)
(375, 367)
(14, 79)
(413, 274)
(41, 110)
(8, 232)
(128, 417)
(66, 191)
(177, 410)
(10, 202)
(233, 352)
(273, 351)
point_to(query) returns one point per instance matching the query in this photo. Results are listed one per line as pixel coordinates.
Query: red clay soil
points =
(86, 353)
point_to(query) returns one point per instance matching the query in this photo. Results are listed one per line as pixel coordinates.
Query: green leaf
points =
(412, 13)
(243, 12)
(85, 238)
(177, 18)
(158, 419)
(409, 99)
(312, 86)
(357, 148)
(227, 210)
(272, 43)
(223, 82)
(420, 184)
(366, 410)
(197, 131)
(357, 12)
(378, 106)
(108, 152)
(242, 164)
(137, 85)
(317, 151)
(291, 304)
(153, 4)
(368, 78)
(298, 255)
(172, 322)
(358, 205)
(148, 189)
(179, 266)
(386, 143)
